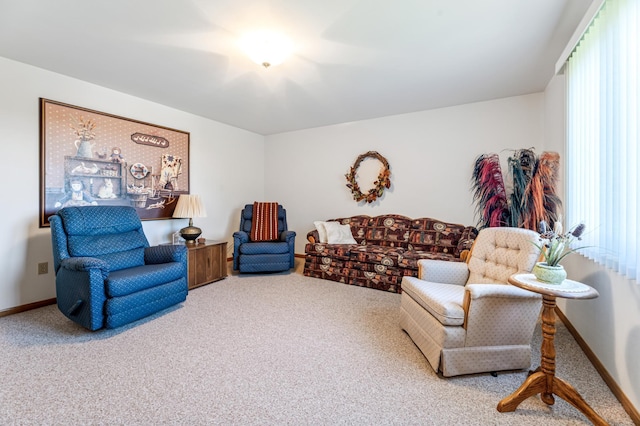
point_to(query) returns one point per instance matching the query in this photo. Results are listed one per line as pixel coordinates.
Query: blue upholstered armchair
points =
(263, 256)
(106, 273)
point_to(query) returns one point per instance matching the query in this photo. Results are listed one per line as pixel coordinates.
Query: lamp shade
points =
(190, 206)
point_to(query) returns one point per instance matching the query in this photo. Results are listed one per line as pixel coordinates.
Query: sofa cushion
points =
(336, 251)
(434, 236)
(387, 256)
(410, 258)
(388, 231)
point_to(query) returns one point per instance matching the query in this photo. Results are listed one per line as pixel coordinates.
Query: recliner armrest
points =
(241, 237)
(85, 264)
(443, 271)
(165, 254)
(477, 291)
(287, 235)
(514, 311)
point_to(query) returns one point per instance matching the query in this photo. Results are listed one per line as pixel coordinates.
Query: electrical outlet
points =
(43, 268)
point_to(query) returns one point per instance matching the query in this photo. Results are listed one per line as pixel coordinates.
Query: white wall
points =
(218, 154)
(431, 154)
(609, 324)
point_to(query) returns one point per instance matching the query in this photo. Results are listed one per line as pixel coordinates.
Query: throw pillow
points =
(322, 232)
(339, 234)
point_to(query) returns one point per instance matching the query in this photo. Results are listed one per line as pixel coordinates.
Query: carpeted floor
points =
(263, 349)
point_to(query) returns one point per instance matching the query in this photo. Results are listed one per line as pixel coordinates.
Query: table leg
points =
(535, 384)
(567, 392)
(543, 380)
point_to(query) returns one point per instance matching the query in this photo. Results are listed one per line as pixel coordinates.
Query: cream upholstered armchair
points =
(465, 317)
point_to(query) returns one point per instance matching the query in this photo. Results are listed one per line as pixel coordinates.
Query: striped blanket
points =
(264, 225)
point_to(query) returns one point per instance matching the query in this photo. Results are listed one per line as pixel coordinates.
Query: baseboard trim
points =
(611, 383)
(27, 307)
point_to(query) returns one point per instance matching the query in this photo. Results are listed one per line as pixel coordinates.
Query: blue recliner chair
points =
(106, 273)
(263, 256)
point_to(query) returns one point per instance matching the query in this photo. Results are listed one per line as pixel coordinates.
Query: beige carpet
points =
(263, 349)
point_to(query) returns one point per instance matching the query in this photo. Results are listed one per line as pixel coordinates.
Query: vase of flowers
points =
(83, 129)
(555, 246)
(549, 274)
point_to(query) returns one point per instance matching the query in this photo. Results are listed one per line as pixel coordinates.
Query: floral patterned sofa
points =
(388, 248)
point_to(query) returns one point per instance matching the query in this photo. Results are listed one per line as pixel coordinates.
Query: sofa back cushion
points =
(389, 230)
(435, 236)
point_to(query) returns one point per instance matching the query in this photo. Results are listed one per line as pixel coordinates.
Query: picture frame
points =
(89, 157)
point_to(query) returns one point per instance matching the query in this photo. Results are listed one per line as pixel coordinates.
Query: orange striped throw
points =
(264, 226)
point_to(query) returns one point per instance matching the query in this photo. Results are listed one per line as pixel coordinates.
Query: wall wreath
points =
(383, 181)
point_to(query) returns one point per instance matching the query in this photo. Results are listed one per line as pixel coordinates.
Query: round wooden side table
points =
(543, 380)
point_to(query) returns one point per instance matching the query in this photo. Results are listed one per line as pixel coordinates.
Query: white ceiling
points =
(353, 60)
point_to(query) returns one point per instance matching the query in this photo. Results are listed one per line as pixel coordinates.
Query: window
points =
(602, 137)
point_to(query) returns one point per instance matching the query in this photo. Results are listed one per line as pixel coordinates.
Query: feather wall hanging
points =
(533, 192)
(489, 192)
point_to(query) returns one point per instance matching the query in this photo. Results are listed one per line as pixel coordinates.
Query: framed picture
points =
(92, 158)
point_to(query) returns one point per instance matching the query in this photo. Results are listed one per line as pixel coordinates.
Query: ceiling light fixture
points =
(266, 48)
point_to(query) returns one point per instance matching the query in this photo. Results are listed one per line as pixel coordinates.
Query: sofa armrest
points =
(165, 254)
(443, 271)
(313, 236)
(465, 243)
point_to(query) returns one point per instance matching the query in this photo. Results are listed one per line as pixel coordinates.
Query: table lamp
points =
(189, 206)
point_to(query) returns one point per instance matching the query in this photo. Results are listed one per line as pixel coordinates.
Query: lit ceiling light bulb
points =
(266, 48)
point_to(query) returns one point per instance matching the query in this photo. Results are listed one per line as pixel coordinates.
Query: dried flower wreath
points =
(383, 181)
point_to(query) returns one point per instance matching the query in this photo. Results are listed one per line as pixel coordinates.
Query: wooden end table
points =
(543, 380)
(207, 262)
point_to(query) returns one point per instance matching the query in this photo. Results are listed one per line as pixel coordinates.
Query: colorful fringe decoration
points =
(533, 195)
(548, 170)
(489, 191)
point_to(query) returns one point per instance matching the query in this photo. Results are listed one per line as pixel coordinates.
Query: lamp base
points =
(190, 234)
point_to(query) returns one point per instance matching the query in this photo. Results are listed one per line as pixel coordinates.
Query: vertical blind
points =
(602, 137)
